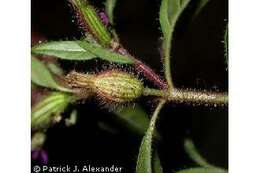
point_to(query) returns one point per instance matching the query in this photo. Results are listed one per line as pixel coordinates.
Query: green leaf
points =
(80, 50)
(110, 6)
(194, 154)
(170, 11)
(40, 75)
(226, 45)
(69, 50)
(105, 54)
(157, 168)
(202, 170)
(72, 120)
(144, 160)
(43, 112)
(105, 126)
(54, 68)
(38, 140)
(200, 5)
(133, 118)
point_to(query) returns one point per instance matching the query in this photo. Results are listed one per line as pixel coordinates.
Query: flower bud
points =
(115, 86)
(93, 23)
(118, 86)
(44, 112)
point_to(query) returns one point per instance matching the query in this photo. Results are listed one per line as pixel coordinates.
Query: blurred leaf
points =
(194, 154)
(44, 112)
(133, 118)
(54, 68)
(105, 54)
(170, 11)
(226, 45)
(72, 119)
(38, 140)
(200, 5)
(40, 75)
(69, 50)
(157, 168)
(107, 127)
(144, 159)
(110, 5)
(202, 170)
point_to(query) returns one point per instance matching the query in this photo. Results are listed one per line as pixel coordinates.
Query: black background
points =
(197, 62)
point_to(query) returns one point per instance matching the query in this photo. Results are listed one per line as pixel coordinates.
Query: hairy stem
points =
(189, 96)
(167, 64)
(150, 74)
(141, 67)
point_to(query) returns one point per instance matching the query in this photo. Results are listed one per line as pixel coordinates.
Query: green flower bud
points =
(93, 22)
(118, 86)
(45, 112)
(115, 86)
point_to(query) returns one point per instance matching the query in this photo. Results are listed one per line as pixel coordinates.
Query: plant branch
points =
(190, 96)
(150, 74)
(141, 67)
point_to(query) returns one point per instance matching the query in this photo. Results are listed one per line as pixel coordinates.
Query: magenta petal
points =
(35, 154)
(104, 18)
(44, 157)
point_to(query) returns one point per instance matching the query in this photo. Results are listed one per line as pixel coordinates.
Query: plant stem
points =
(141, 67)
(155, 114)
(167, 63)
(189, 96)
(150, 74)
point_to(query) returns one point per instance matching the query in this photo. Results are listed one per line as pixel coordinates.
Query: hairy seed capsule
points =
(118, 86)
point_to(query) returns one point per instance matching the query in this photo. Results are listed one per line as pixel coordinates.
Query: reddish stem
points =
(140, 66)
(150, 74)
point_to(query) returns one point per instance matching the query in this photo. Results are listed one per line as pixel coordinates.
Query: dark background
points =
(197, 62)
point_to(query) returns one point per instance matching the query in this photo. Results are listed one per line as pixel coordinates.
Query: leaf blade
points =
(80, 50)
(200, 6)
(41, 76)
(134, 119)
(157, 168)
(226, 45)
(202, 170)
(106, 54)
(110, 6)
(194, 154)
(144, 160)
(67, 50)
(170, 11)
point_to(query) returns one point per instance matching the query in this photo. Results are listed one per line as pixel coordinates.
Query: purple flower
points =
(40, 155)
(104, 18)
